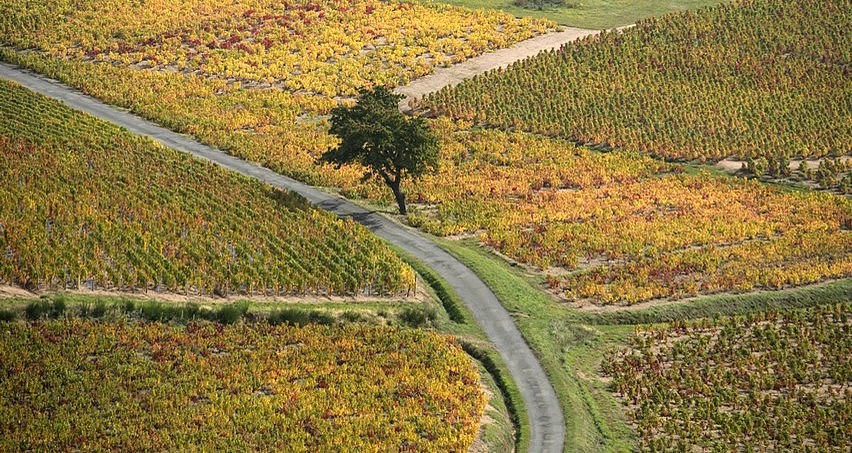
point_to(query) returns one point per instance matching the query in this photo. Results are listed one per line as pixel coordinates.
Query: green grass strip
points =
(451, 301)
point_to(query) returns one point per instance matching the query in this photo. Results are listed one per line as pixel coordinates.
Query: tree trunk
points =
(400, 201)
(399, 195)
(394, 184)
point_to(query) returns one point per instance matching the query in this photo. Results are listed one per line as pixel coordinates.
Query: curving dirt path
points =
(453, 75)
(547, 426)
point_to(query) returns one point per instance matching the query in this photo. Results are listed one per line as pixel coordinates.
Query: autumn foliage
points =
(328, 48)
(604, 228)
(764, 381)
(86, 204)
(750, 78)
(151, 386)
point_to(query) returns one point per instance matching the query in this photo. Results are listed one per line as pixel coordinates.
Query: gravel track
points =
(453, 75)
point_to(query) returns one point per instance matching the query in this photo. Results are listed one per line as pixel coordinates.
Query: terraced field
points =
(85, 204)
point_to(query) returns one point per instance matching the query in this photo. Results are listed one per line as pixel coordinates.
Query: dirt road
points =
(452, 75)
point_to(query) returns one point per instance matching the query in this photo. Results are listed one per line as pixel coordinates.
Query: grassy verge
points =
(60, 304)
(461, 324)
(593, 423)
(497, 430)
(571, 343)
(592, 14)
(450, 300)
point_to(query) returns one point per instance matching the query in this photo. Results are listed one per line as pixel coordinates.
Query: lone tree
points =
(375, 134)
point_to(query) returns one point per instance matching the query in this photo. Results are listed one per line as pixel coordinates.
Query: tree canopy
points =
(389, 144)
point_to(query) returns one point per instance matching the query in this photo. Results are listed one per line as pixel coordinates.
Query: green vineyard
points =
(84, 385)
(85, 204)
(762, 79)
(765, 381)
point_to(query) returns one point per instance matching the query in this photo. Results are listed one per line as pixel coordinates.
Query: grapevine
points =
(75, 384)
(328, 48)
(719, 82)
(766, 381)
(86, 204)
(603, 228)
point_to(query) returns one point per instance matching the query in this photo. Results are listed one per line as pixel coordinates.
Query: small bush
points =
(546, 4)
(57, 308)
(418, 317)
(352, 316)
(293, 316)
(99, 310)
(191, 311)
(38, 309)
(231, 313)
(298, 317)
(128, 307)
(321, 317)
(35, 310)
(8, 315)
(153, 311)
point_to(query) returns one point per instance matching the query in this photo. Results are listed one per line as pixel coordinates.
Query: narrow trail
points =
(453, 75)
(547, 425)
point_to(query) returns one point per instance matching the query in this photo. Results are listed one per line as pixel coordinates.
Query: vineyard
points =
(624, 228)
(327, 48)
(627, 228)
(722, 81)
(604, 228)
(84, 385)
(766, 381)
(633, 219)
(86, 204)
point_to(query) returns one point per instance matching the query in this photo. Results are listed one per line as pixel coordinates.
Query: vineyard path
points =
(453, 75)
(547, 426)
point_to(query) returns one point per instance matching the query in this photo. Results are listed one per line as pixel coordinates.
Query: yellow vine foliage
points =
(83, 385)
(330, 48)
(760, 79)
(85, 203)
(629, 228)
(614, 227)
